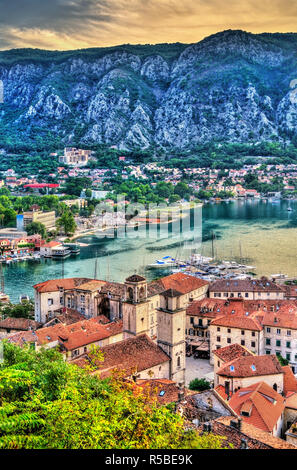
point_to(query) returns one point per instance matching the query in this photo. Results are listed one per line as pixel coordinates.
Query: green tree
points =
(199, 385)
(36, 227)
(282, 360)
(67, 223)
(182, 189)
(23, 310)
(46, 403)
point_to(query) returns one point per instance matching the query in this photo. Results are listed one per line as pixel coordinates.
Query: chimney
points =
(206, 427)
(236, 424)
(244, 444)
(181, 395)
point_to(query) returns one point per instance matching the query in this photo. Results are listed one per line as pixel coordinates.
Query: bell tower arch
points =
(135, 307)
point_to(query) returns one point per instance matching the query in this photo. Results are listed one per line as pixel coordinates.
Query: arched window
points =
(178, 361)
(130, 293)
(142, 293)
(275, 387)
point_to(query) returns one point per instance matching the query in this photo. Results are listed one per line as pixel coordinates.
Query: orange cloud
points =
(71, 24)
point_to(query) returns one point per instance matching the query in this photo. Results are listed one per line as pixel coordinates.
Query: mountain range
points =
(233, 86)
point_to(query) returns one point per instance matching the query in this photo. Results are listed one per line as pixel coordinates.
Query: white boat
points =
(165, 262)
(278, 276)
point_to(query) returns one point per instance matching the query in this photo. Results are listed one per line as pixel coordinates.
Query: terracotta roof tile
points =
(19, 324)
(291, 401)
(231, 352)
(254, 437)
(139, 353)
(78, 334)
(290, 381)
(244, 285)
(283, 318)
(53, 285)
(265, 405)
(182, 283)
(251, 366)
(166, 391)
(245, 323)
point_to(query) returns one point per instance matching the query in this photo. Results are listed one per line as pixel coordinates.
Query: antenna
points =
(96, 266)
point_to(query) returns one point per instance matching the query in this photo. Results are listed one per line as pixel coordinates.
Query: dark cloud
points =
(66, 24)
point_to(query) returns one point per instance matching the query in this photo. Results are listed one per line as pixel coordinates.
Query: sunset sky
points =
(73, 24)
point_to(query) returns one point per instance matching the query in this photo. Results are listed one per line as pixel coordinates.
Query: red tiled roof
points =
(244, 285)
(220, 389)
(231, 352)
(291, 401)
(264, 404)
(283, 318)
(214, 307)
(22, 337)
(139, 353)
(51, 244)
(19, 324)
(290, 381)
(114, 328)
(251, 366)
(182, 283)
(54, 284)
(170, 391)
(290, 291)
(255, 437)
(91, 285)
(77, 334)
(245, 323)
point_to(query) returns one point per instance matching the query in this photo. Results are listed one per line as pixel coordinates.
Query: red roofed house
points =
(191, 288)
(246, 289)
(261, 406)
(50, 296)
(77, 338)
(280, 328)
(138, 357)
(244, 330)
(46, 249)
(248, 370)
(227, 354)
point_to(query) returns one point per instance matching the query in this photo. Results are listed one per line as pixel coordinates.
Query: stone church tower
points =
(171, 333)
(171, 322)
(135, 307)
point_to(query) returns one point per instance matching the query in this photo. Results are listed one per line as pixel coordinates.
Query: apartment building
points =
(248, 289)
(247, 370)
(48, 219)
(280, 333)
(75, 157)
(244, 330)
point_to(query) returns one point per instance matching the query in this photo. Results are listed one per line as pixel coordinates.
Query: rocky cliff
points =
(232, 86)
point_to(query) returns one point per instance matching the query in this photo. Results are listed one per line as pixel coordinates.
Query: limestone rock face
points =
(232, 86)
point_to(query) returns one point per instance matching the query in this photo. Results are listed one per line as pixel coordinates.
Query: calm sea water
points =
(260, 233)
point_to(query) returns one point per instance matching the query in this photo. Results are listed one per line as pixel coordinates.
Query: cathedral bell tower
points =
(171, 333)
(135, 307)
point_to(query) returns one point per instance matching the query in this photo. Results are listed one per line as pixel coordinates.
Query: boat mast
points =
(95, 270)
(2, 278)
(212, 245)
